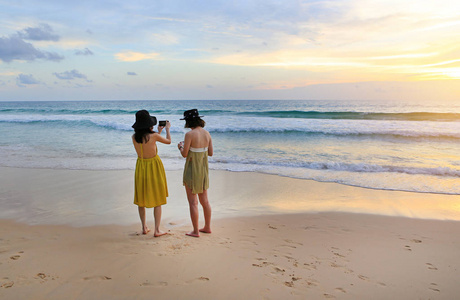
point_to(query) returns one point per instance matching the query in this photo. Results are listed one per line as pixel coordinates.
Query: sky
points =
(248, 49)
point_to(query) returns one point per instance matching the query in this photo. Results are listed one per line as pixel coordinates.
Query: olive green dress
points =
(196, 170)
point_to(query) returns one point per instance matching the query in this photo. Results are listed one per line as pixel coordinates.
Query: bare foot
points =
(191, 233)
(160, 233)
(145, 230)
(205, 230)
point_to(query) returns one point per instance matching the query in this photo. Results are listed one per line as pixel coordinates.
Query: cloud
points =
(132, 73)
(165, 38)
(14, 48)
(42, 33)
(23, 79)
(85, 52)
(130, 56)
(70, 75)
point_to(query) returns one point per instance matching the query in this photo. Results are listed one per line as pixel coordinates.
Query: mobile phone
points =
(162, 123)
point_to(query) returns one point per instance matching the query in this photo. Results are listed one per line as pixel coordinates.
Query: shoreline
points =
(87, 197)
(180, 168)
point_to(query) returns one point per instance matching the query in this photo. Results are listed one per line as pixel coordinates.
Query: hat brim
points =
(192, 117)
(153, 122)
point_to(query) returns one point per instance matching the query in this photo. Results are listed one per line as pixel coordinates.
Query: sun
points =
(453, 73)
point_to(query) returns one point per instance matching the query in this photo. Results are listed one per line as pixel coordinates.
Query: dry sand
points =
(277, 256)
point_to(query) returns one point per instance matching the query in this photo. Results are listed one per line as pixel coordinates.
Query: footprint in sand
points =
(431, 267)
(310, 266)
(335, 251)
(416, 241)
(288, 246)
(338, 254)
(293, 242)
(148, 283)
(176, 246)
(199, 279)
(202, 278)
(312, 283)
(407, 248)
(329, 296)
(97, 278)
(15, 257)
(341, 290)
(264, 263)
(362, 277)
(8, 284)
(433, 287)
(334, 265)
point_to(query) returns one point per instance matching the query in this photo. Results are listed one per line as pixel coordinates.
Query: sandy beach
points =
(302, 247)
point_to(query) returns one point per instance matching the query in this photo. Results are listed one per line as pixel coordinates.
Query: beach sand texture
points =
(324, 255)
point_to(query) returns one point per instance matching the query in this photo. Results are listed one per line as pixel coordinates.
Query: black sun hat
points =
(192, 113)
(144, 120)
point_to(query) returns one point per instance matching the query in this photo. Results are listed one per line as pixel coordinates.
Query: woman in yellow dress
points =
(196, 147)
(150, 187)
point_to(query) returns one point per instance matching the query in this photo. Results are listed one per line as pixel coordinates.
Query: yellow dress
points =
(196, 173)
(150, 187)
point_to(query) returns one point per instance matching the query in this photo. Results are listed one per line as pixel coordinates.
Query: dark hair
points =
(194, 122)
(141, 135)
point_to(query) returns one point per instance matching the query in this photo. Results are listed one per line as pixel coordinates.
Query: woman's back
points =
(149, 148)
(200, 138)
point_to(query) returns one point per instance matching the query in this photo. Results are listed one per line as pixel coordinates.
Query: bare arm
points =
(210, 148)
(186, 146)
(161, 139)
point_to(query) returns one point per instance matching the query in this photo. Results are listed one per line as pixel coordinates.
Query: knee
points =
(204, 201)
(193, 202)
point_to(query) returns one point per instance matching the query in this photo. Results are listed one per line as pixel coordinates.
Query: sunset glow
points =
(222, 50)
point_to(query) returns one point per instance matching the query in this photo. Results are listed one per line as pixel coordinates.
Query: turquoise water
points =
(379, 145)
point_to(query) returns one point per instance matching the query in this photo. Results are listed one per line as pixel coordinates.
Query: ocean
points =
(379, 145)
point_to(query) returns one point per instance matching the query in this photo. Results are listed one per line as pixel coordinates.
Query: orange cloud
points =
(131, 56)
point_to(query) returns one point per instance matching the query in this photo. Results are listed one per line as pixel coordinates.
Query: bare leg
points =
(193, 205)
(157, 216)
(145, 229)
(206, 211)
